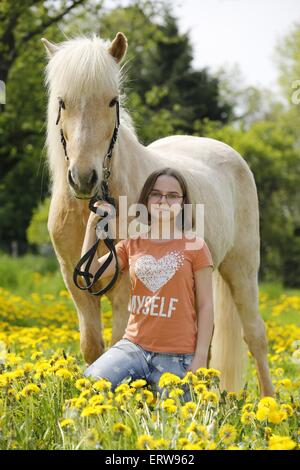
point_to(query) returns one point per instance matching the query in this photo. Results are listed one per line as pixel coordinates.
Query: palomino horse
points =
(86, 75)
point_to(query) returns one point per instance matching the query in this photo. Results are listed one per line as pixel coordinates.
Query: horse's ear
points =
(50, 47)
(118, 47)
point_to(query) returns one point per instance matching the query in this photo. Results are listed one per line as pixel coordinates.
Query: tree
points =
(22, 117)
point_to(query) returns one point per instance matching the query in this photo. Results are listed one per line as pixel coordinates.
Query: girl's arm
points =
(90, 240)
(205, 315)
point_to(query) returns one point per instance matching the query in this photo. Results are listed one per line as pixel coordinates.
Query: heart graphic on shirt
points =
(155, 273)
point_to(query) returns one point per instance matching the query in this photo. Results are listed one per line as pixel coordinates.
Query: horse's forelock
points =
(83, 67)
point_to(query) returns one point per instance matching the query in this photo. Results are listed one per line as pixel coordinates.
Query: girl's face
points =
(168, 206)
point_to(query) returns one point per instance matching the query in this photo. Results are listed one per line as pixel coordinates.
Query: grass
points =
(45, 403)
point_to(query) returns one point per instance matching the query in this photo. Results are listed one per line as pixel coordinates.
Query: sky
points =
(243, 32)
(224, 33)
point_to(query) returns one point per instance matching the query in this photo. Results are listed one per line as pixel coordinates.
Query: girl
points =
(171, 320)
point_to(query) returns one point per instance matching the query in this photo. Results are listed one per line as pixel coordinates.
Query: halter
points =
(105, 196)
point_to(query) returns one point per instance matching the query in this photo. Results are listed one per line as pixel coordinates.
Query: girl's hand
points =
(196, 364)
(105, 207)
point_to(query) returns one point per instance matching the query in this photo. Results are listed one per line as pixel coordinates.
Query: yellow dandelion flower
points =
(211, 446)
(199, 429)
(268, 402)
(15, 374)
(35, 355)
(30, 389)
(3, 380)
(85, 394)
(122, 388)
(200, 389)
(248, 417)
(286, 383)
(182, 441)
(201, 372)
(287, 408)
(190, 378)
(211, 397)
(102, 384)
(80, 402)
(169, 405)
(276, 417)
(161, 443)
(279, 372)
(106, 407)
(176, 392)
(144, 395)
(262, 413)
(138, 383)
(167, 402)
(124, 396)
(188, 409)
(120, 428)
(64, 374)
(227, 433)
(167, 378)
(97, 400)
(91, 411)
(28, 367)
(281, 443)
(213, 373)
(267, 432)
(242, 395)
(247, 407)
(191, 446)
(65, 423)
(82, 384)
(145, 442)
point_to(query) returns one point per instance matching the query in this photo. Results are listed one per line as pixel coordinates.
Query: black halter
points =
(105, 196)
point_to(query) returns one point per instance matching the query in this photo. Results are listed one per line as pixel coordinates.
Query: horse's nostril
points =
(93, 178)
(70, 179)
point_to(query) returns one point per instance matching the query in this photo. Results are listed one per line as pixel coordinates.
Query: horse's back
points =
(204, 150)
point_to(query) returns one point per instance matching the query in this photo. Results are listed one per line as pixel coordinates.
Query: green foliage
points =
(37, 231)
(30, 273)
(269, 149)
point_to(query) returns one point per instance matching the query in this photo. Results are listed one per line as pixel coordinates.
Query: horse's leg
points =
(241, 277)
(66, 228)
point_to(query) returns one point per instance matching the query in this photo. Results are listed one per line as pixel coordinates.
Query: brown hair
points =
(149, 184)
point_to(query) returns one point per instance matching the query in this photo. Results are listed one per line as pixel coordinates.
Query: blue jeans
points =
(127, 359)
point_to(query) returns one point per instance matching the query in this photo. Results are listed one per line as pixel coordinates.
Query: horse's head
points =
(84, 78)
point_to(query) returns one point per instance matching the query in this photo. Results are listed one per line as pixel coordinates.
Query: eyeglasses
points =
(171, 198)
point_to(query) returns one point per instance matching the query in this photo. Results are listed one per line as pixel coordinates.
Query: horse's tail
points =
(228, 348)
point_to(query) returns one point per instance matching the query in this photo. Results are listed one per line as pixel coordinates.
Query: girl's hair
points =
(188, 218)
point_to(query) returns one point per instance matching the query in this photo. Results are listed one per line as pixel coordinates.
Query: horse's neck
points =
(132, 162)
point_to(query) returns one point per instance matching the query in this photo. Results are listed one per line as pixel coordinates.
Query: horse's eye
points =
(113, 102)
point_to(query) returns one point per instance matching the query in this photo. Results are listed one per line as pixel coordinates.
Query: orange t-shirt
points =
(162, 295)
